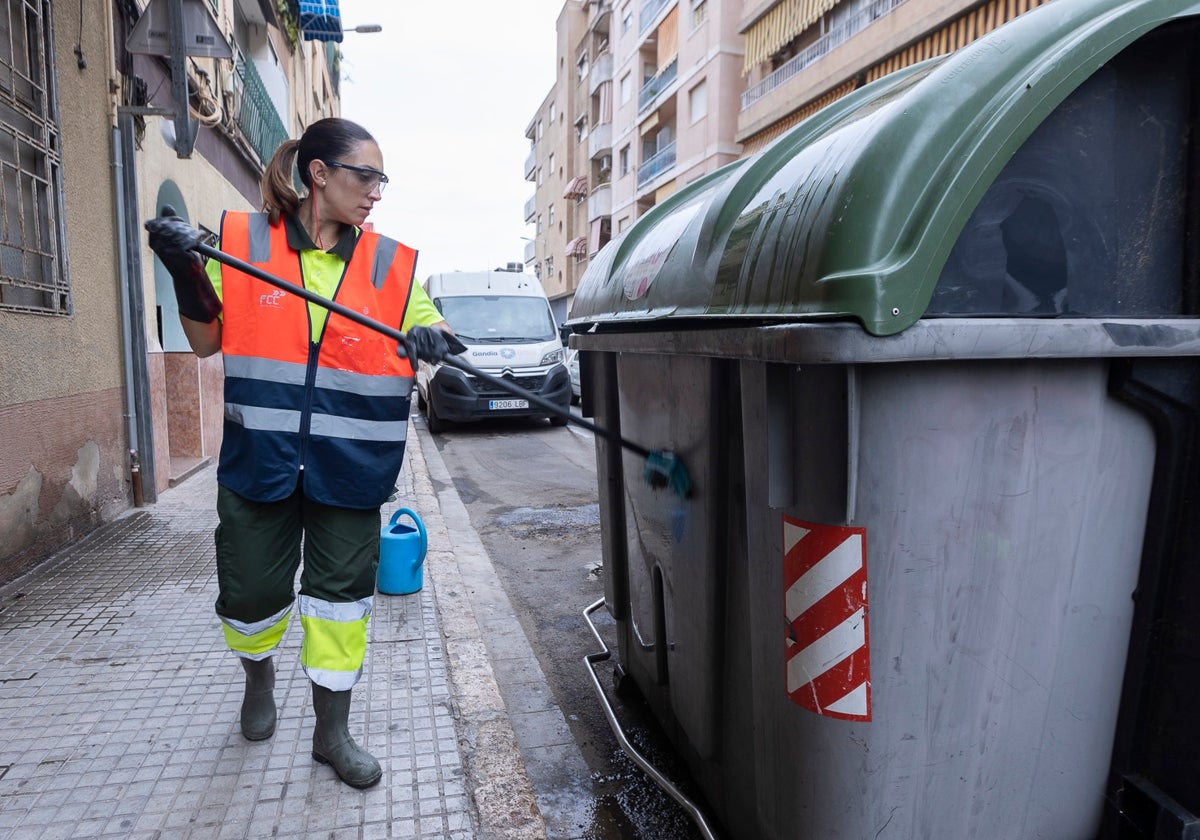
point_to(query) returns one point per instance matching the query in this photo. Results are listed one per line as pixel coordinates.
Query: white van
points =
(504, 319)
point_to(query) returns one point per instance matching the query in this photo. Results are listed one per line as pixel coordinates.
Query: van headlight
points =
(553, 356)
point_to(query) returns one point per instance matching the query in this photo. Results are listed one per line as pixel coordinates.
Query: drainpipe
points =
(133, 320)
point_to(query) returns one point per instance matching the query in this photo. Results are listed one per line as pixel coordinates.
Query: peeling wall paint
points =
(63, 473)
(79, 494)
(19, 514)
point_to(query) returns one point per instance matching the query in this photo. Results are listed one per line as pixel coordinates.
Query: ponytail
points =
(278, 194)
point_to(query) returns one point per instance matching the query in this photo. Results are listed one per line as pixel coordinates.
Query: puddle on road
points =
(554, 521)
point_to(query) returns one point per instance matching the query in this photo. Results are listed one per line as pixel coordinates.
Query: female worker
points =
(316, 410)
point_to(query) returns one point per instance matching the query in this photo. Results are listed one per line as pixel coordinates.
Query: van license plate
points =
(501, 405)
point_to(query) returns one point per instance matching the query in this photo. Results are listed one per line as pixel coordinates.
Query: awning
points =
(577, 247)
(779, 26)
(320, 20)
(577, 187)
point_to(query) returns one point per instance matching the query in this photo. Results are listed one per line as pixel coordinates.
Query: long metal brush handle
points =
(391, 332)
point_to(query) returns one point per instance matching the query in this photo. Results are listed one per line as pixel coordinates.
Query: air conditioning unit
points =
(605, 163)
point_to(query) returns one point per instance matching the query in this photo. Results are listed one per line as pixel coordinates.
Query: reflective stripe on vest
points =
(339, 407)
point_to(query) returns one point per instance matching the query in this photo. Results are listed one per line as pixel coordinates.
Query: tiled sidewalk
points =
(119, 702)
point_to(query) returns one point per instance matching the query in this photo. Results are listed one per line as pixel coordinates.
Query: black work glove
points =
(172, 240)
(430, 344)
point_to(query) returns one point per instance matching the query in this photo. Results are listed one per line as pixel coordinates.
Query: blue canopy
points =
(320, 20)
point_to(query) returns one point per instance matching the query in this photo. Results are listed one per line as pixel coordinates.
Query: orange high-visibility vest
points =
(338, 408)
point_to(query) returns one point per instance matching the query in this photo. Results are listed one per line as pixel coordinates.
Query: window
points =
(550, 164)
(623, 162)
(553, 112)
(581, 65)
(539, 176)
(581, 127)
(539, 223)
(699, 12)
(698, 102)
(626, 17)
(33, 275)
(549, 268)
(626, 87)
(550, 212)
(541, 129)
(622, 223)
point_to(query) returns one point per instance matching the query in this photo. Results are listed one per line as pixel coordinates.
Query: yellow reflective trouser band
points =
(257, 639)
(335, 641)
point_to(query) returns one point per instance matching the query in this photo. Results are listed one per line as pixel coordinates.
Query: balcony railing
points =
(840, 33)
(601, 72)
(530, 252)
(649, 13)
(600, 140)
(530, 164)
(657, 85)
(599, 202)
(600, 13)
(531, 208)
(656, 165)
(257, 117)
(333, 60)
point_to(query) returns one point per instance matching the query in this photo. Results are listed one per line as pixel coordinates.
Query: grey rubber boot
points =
(332, 743)
(258, 704)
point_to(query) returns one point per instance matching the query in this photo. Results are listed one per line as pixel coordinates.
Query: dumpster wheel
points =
(620, 678)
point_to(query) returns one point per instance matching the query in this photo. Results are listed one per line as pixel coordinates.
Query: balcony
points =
(530, 252)
(600, 72)
(656, 165)
(531, 165)
(651, 90)
(841, 32)
(334, 61)
(256, 117)
(531, 208)
(600, 140)
(650, 13)
(600, 202)
(601, 12)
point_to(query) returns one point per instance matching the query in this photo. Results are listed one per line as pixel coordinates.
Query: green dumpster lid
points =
(853, 212)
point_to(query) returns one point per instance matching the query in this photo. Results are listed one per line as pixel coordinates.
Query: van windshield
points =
(498, 318)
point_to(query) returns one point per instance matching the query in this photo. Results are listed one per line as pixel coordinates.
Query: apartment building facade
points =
(651, 87)
(664, 91)
(102, 122)
(554, 208)
(801, 55)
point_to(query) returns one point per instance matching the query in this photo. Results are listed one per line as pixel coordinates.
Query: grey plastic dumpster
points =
(931, 360)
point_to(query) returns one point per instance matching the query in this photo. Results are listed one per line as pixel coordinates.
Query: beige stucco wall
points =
(62, 465)
(184, 429)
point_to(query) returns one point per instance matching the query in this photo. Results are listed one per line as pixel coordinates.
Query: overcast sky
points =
(447, 89)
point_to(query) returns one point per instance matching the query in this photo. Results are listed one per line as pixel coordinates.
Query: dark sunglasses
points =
(369, 178)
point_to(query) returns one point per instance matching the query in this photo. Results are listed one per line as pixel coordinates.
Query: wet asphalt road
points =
(530, 490)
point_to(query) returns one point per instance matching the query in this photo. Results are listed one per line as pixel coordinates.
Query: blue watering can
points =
(401, 555)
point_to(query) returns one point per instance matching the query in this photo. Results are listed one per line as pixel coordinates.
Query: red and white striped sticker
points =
(825, 603)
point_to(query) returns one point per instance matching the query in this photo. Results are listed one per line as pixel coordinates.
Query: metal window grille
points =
(33, 266)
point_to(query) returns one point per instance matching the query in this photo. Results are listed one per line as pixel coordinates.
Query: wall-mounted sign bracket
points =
(177, 29)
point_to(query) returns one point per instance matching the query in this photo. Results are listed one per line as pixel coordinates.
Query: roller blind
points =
(780, 25)
(668, 38)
